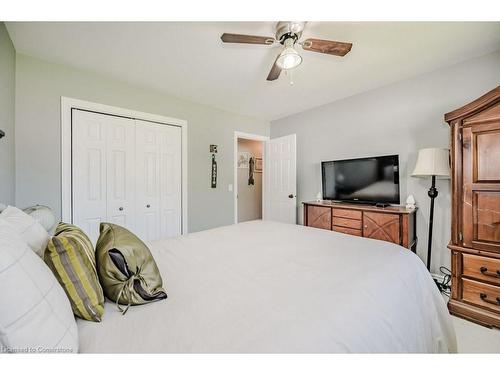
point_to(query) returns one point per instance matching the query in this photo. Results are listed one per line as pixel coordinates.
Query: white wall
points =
(396, 119)
(7, 95)
(249, 196)
(39, 87)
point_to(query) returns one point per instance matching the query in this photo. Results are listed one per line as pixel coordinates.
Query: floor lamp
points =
(432, 163)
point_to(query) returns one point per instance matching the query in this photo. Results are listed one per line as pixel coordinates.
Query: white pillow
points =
(28, 228)
(35, 313)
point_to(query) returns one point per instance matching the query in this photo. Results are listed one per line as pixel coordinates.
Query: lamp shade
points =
(289, 59)
(432, 162)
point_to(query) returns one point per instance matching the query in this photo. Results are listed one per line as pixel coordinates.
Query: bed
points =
(267, 287)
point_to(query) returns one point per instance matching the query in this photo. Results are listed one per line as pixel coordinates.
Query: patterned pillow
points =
(70, 256)
(35, 314)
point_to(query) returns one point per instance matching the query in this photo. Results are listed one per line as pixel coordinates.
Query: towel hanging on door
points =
(251, 168)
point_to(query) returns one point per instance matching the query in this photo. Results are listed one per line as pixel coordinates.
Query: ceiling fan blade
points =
(330, 47)
(275, 71)
(248, 39)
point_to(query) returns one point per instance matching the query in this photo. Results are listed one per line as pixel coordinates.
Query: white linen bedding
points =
(266, 287)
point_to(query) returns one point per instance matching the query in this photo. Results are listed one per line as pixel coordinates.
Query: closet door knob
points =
(121, 208)
(148, 205)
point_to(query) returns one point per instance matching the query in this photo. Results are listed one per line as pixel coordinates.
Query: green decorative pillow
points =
(70, 256)
(126, 268)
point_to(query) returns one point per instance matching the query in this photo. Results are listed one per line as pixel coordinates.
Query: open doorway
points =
(249, 177)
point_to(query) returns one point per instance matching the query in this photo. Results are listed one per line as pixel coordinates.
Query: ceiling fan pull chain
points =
(289, 73)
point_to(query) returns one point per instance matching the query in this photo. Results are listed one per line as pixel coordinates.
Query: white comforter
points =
(269, 287)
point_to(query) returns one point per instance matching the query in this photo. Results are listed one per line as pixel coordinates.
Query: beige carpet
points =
(473, 338)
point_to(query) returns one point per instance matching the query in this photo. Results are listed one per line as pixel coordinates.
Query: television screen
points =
(365, 180)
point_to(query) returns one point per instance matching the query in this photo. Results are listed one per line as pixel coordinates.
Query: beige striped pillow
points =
(70, 256)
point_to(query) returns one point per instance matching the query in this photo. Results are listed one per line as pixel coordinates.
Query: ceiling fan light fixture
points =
(289, 59)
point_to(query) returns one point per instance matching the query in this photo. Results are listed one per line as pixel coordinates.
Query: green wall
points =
(39, 87)
(7, 87)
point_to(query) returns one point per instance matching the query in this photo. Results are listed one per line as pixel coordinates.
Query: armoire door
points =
(158, 180)
(102, 171)
(481, 182)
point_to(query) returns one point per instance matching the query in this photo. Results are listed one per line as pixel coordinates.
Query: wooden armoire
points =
(475, 228)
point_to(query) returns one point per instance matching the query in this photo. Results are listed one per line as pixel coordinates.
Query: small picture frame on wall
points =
(243, 159)
(258, 165)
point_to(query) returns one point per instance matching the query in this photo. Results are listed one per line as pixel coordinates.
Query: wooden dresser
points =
(475, 229)
(393, 224)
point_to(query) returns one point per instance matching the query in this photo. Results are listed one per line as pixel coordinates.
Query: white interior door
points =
(281, 179)
(170, 147)
(103, 171)
(127, 172)
(147, 181)
(159, 180)
(120, 171)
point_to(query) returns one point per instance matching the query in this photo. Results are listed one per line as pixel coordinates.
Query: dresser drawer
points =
(354, 232)
(481, 294)
(482, 268)
(347, 223)
(349, 214)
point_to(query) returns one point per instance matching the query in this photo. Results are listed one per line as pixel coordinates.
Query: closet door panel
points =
(88, 171)
(120, 162)
(170, 180)
(147, 181)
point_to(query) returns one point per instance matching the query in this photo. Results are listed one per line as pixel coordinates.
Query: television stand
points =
(382, 205)
(395, 224)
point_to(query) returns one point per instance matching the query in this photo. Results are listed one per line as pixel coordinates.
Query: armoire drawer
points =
(481, 268)
(481, 294)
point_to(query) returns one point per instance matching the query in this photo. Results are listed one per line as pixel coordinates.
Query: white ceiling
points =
(189, 61)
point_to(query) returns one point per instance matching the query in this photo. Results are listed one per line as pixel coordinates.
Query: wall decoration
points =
(213, 179)
(251, 164)
(258, 165)
(214, 172)
(243, 159)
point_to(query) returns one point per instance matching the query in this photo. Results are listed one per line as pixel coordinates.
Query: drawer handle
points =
(484, 271)
(484, 297)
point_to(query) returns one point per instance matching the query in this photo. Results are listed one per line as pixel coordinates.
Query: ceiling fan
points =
(288, 34)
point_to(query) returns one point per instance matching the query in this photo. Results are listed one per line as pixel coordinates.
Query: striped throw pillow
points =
(70, 255)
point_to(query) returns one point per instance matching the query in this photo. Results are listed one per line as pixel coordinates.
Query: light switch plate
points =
(230, 187)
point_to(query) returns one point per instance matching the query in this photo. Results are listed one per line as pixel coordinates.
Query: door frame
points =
(67, 104)
(254, 137)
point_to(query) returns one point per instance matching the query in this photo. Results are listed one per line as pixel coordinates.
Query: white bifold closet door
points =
(158, 180)
(126, 172)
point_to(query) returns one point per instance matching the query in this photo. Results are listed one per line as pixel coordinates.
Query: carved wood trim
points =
(477, 105)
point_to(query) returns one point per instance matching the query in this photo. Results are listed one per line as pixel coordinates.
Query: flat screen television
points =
(365, 180)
